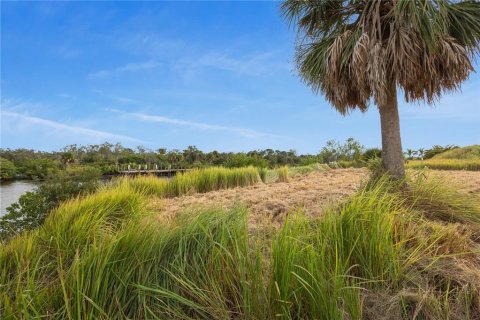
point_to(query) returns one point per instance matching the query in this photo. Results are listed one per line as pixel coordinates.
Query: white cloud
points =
(255, 65)
(129, 67)
(35, 121)
(117, 98)
(244, 132)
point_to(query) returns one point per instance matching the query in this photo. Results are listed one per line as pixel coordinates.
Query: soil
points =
(312, 193)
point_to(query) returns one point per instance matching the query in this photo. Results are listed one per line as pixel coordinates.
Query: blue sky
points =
(218, 75)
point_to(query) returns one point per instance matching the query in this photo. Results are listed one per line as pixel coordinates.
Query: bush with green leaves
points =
(7, 169)
(372, 153)
(37, 169)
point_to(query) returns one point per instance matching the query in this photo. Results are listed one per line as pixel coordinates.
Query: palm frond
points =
(353, 50)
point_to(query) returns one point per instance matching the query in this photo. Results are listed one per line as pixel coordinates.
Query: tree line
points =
(110, 158)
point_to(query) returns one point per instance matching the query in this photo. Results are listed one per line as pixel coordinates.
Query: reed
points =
(201, 181)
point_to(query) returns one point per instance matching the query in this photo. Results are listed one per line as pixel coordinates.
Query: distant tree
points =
(421, 153)
(350, 150)
(355, 51)
(67, 158)
(410, 154)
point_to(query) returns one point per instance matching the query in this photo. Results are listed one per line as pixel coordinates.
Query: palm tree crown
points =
(355, 50)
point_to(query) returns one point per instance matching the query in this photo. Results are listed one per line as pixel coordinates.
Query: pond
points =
(10, 191)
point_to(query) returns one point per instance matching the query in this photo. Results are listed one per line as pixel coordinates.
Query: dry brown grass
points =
(269, 203)
(466, 181)
(312, 193)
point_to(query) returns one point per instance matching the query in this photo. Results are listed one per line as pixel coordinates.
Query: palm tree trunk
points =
(392, 154)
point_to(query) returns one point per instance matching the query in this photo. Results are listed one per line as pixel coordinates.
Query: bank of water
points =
(10, 191)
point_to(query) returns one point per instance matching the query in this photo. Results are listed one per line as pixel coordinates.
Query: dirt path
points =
(269, 203)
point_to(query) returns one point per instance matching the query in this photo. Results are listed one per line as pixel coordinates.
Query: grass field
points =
(389, 251)
(446, 164)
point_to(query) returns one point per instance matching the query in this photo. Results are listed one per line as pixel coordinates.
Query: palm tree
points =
(355, 51)
(421, 153)
(410, 153)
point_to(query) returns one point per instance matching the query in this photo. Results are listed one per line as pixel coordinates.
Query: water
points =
(10, 191)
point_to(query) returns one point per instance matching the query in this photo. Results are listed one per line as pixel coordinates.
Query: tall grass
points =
(33, 264)
(96, 258)
(202, 180)
(446, 164)
(282, 174)
(263, 173)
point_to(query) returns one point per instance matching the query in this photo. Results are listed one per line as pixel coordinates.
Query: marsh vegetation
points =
(409, 249)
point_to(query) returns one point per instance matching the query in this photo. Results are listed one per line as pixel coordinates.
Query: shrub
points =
(37, 169)
(351, 150)
(372, 153)
(7, 169)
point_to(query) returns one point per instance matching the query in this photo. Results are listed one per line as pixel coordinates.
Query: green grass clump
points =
(470, 152)
(320, 266)
(282, 174)
(472, 164)
(201, 180)
(263, 173)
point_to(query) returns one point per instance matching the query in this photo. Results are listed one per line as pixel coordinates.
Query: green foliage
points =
(7, 169)
(109, 158)
(37, 169)
(350, 150)
(32, 207)
(372, 153)
(241, 159)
